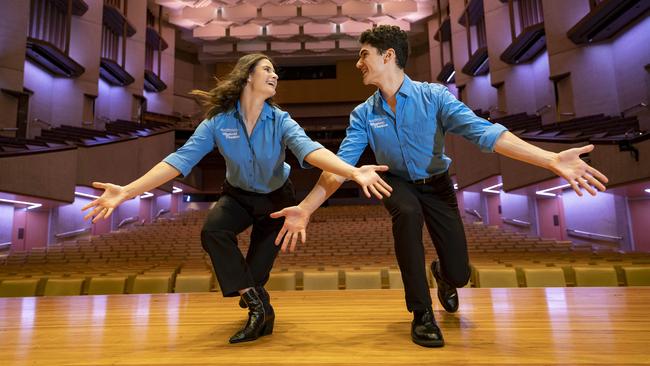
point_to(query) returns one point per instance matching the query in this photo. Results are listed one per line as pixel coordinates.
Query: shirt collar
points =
(267, 111)
(406, 89)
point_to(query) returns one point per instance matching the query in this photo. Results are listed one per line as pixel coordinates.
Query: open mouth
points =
(272, 83)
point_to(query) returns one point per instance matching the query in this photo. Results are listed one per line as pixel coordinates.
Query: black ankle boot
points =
(447, 294)
(424, 330)
(260, 318)
(261, 292)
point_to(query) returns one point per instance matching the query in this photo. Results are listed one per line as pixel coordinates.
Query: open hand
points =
(367, 177)
(103, 206)
(569, 166)
(295, 224)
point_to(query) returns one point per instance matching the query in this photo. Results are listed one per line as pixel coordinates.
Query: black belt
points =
(427, 180)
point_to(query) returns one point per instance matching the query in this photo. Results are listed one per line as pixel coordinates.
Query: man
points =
(404, 122)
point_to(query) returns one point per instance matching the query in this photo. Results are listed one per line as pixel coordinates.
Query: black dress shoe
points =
(425, 331)
(260, 319)
(447, 294)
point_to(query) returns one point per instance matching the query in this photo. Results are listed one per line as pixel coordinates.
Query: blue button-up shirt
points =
(411, 141)
(254, 163)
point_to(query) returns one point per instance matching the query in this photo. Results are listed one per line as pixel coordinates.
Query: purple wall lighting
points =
(471, 203)
(603, 216)
(518, 212)
(69, 219)
(162, 202)
(6, 222)
(128, 209)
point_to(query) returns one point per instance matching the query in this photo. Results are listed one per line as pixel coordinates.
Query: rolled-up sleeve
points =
(295, 138)
(356, 139)
(196, 147)
(458, 119)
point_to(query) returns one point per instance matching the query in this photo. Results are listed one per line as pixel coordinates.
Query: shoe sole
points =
(429, 344)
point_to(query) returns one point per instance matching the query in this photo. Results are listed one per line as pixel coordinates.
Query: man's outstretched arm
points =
(567, 164)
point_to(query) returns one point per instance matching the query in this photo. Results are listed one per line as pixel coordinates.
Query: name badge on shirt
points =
(378, 123)
(230, 133)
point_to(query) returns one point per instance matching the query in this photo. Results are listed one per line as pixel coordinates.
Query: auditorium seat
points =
(151, 284)
(63, 287)
(357, 280)
(496, 277)
(595, 276)
(193, 282)
(320, 280)
(107, 285)
(281, 281)
(544, 277)
(395, 279)
(636, 276)
(19, 287)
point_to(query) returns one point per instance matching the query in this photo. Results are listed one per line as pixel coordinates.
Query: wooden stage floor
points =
(568, 326)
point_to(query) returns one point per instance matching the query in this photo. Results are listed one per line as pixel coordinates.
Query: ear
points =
(390, 53)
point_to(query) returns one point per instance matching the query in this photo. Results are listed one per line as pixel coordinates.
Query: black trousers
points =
(235, 211)
(433, 203)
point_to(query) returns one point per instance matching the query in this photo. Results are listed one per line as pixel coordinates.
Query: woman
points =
(251, 133)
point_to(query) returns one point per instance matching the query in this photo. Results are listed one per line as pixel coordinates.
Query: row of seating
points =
(327, 279)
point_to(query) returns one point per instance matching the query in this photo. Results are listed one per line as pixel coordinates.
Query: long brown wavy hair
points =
(224, 96)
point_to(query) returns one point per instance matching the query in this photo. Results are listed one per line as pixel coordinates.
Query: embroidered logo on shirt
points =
(230, 133)
(378, 123)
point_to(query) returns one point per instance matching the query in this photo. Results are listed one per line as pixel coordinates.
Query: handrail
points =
(496, 109)
(589, 235)
(474, 213)
(567, 114)
(640, 105)
(542, 109)
(36, 119)
(72, 233)
(127, 221)
(161, 212)
(516, 222)
(3, 245)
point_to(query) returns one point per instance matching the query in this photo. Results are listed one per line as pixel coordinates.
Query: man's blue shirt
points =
(411, 141)
(253, 163)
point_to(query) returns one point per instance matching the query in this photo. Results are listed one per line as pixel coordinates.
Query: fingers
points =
(99, 185)
(303, 235)
(365, 191)
(600, 176)
(374, 191)
(277, 214)
(281, 234)
(385, 185)
(91, 204)
(380, 168)
(594, 182)
(586, 186)
(294, 240)
(94, 212)
(285, 242)
(101, 213)
(586, 149)
(379, 187)
(575, 187)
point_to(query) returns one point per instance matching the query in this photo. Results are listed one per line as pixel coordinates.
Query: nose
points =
(359, 64)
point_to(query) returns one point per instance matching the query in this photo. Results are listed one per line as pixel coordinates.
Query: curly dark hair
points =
(224, 96)
(384, 37)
